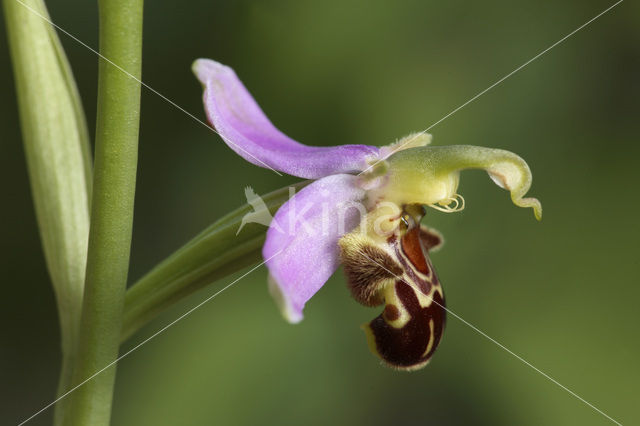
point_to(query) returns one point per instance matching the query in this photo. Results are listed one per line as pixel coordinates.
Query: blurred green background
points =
(563, 293)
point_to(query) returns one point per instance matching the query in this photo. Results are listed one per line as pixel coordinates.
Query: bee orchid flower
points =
(363, 210)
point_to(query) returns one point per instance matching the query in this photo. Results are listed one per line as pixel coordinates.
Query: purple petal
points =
(243, 126)
(302, 242)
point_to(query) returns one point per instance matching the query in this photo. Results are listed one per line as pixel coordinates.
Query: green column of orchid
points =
(430, 174)
(112, 209)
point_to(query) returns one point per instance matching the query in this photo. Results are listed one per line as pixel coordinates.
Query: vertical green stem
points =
(111, 210)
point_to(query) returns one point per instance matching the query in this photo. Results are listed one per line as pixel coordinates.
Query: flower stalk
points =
(112, 209)
(214, 253)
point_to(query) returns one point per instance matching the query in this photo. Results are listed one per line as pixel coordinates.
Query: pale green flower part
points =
(430, 175)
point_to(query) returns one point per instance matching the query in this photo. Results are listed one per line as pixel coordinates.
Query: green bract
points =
(56, 145)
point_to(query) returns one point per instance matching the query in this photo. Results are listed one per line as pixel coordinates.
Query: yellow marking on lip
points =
(431, 338)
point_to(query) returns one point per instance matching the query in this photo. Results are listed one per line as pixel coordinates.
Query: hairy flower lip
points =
(397, 272)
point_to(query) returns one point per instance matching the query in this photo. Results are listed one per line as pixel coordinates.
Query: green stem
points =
(214, 253)
(111, 210)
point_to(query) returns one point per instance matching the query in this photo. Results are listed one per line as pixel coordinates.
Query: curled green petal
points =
(430, 175)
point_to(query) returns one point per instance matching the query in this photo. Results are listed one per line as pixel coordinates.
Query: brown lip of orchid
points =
(363, 211)
(399, 274)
